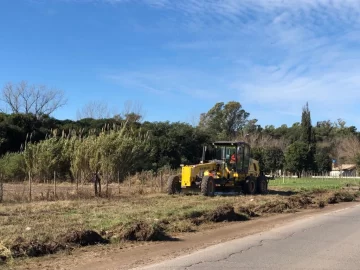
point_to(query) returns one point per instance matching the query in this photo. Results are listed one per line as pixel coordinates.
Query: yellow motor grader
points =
(226, 166)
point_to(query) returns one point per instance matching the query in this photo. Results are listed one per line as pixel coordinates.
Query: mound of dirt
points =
(225, 213)
(341, 197)
(276, 206)
(247, 210)
(143, 231)
(83, 238)
(299, 201)
(34, 248)
(321, 204)
(5, 254)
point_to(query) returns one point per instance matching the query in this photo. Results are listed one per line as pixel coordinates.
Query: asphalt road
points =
(327, 241)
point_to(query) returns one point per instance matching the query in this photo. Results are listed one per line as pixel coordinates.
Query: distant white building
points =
(343, 170)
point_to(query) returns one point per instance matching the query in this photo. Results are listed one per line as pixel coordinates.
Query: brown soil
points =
(223, 213)
(34, 248)
(83, 238)
(341, 197)
(143, 231)
(127, 255)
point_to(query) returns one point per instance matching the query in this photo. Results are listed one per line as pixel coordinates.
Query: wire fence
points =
(1, 191)
(332, 174)
(54, 189)
(139, 184)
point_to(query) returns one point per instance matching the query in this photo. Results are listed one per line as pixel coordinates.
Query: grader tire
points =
(208, 186)
(262, 185)
(250, 186)
(173, 185)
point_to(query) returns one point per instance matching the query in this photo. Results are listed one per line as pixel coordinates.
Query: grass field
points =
(44, 227)
(313, 183)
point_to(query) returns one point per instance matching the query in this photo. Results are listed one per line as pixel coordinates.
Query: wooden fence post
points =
(77, 182)
(129, 181)
(30, 186)
(107, 185)
(161, 181)
(54, 184)
(118, 179)
(1, 190)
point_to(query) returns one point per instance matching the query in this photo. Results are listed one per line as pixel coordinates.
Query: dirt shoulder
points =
(127, 256)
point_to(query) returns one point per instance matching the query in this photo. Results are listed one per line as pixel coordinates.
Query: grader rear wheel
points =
(262, 185)
(250, 186)
(173, 185)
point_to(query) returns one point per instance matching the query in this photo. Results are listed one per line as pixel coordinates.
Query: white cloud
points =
(275, 53)
(170, 82)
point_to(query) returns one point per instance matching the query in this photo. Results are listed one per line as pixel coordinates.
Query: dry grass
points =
(39, 228)
(135, 210)
(139, 184)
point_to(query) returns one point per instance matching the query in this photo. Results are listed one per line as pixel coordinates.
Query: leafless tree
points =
(263, 141)
(36, 99)
(95, 110)
(348, 148)
(101, 110)
(133, 111)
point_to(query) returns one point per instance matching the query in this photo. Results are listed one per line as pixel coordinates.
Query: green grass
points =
(313, 183)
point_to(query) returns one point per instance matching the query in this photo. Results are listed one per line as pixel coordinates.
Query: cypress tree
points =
(308, 137)
(306, 127)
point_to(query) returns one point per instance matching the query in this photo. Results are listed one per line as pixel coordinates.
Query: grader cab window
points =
(240, 160)
(230, 154)
(243, 158)
(236, 156)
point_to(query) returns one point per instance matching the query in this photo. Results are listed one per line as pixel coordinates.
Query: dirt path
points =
(134, 255)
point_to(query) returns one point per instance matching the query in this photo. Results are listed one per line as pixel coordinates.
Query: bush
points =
(12, 167)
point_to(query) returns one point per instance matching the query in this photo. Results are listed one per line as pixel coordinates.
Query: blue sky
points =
(177, 58)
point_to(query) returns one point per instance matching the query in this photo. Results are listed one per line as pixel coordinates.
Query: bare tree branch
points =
(38, 100)
(94, 110)
(133, 111)
(10, 96)
(348, 148)
(263, 141)
(100, 110)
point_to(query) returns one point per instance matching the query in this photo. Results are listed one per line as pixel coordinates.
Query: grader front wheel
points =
(208, 186)
(173, 185)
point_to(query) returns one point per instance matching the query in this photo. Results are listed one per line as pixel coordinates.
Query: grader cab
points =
(226, 166)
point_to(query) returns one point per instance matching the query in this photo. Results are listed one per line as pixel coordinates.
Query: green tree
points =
(273, 159)
(324, 131)
(173, 144)
(323, 160)
(295, 157)
(12, 167)
(306, 127)
(308, 138)
(270, 158)
(257, 153)
(224, 121)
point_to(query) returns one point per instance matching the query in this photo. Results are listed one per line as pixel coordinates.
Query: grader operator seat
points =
(233, 161)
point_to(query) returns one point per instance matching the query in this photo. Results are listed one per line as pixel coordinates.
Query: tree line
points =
(35, 144)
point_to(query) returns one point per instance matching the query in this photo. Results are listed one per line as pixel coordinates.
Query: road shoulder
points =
(140, 254)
